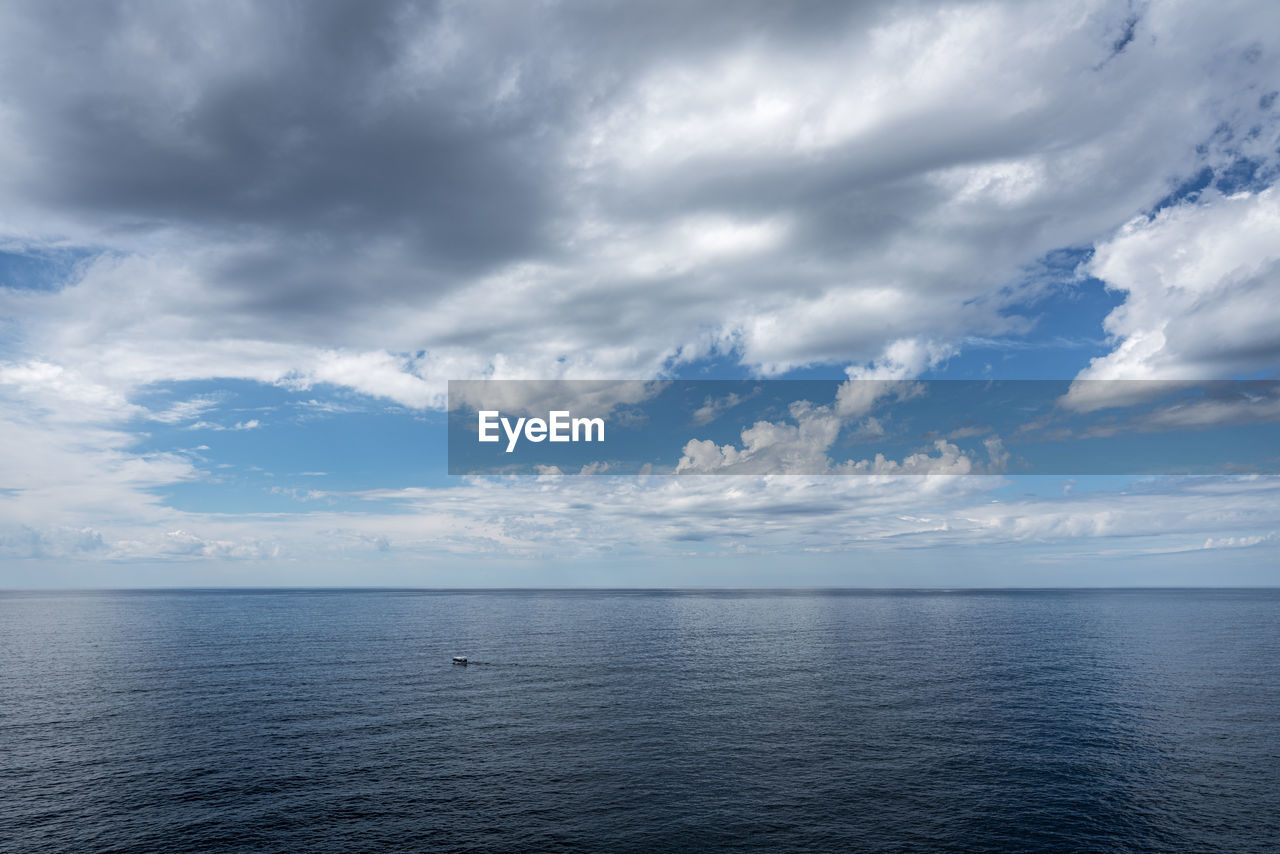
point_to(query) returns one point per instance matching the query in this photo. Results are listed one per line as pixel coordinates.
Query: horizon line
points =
(629, 589)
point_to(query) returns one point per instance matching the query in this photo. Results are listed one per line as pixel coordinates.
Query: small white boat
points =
(459, 659)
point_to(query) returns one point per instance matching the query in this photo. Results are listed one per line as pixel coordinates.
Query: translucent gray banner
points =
(863, 427)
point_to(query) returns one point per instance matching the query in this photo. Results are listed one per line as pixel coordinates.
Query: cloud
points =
(1239, 542)
(383, 196)
(1199, 282)
(888, 376)
(251, 424)
(1153, 406)
(949, 460)
(996, 453)
(803, 445)
(519, 396)
(568, 517)
(63, 393)
(69, 473)
(183, 544)
(769, 447)
(185, 410)
(50, 542)
(79, 493)
(713, 407)
(299, 494)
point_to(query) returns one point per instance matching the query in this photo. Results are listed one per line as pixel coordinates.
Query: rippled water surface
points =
(890, 721)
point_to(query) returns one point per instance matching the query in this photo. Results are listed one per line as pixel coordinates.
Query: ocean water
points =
(640, 721)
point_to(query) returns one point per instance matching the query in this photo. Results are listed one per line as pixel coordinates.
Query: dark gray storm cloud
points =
(293, 118)
(444, 125)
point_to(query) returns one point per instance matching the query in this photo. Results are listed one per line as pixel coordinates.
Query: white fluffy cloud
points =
(1200, 284)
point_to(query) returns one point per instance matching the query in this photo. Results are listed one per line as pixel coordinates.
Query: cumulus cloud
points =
(384, 195)
(803, 444)
(769, 447)
(889, 376)
(1199, 282)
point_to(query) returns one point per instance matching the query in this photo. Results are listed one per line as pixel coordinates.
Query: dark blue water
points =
(333, 720)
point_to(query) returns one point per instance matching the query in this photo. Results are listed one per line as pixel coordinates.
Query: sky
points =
(244, 247)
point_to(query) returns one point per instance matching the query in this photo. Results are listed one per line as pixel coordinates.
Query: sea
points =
(640, 720)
